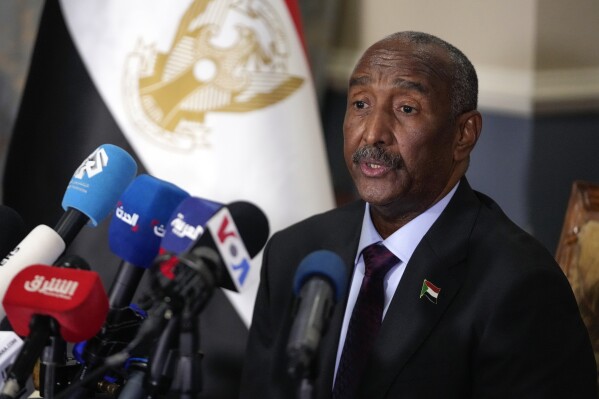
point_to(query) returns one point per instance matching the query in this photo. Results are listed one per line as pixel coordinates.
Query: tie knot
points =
(378, 260)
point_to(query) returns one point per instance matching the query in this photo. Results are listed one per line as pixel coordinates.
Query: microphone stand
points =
(120, 328)
(53, 356)
(188, 376)
(161, 366)
(305, 389)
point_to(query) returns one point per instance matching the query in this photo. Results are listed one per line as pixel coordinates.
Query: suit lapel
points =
(410, 318)
(344, 243)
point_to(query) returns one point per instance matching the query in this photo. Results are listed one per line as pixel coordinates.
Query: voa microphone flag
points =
(214, 96)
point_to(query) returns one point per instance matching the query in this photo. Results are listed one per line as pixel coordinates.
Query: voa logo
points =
(230, 246)
(93, 165)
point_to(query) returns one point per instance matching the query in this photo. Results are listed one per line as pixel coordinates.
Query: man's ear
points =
(469, 125)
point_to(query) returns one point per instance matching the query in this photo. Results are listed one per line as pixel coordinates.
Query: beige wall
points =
(531, 55)
(489, 32)
(568, 34)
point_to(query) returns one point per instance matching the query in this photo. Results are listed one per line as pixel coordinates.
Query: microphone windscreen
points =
(252, 225)
(186, 224)
(140, 220)
(98, 182)
(12, 230)
(75, 298)
(238, 232)
(42, 245)
(325, 264)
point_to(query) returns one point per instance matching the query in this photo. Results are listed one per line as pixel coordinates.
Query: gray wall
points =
(528, 166)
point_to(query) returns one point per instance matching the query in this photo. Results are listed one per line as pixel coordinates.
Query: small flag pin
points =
(430, 290)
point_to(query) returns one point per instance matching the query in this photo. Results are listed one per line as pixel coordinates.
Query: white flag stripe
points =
(272, 155)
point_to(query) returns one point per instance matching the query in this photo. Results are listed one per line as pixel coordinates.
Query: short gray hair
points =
(464, 82)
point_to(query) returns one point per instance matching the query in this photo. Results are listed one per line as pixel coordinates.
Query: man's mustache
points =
(378, 155)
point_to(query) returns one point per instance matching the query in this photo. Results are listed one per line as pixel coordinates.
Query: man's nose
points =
(379, 127)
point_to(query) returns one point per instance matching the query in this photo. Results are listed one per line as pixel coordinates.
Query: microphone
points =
(186, 224)
(135, 233)
(221, 256)
(183, 229)
(319, 282)
(137, 229)
(182, 285)
(55, 367)
(13, 229)
(42, 301)
(41, 245)
(94, 189)
(89, 198)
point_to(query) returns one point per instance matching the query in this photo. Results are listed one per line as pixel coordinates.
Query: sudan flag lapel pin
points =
(430, 291)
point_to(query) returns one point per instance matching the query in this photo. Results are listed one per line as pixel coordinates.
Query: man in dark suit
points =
(473, 306)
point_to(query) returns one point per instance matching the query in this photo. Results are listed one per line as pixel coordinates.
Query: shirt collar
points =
(403, 242)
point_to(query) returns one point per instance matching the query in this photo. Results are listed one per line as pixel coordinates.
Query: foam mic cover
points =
(322, 264)
(186, 224)
(12, 229)
(74, 298)
(237, 232)
(41, 245)
(141, 219)
(98, 182)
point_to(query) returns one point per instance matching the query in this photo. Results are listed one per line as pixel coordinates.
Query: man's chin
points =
(375, 197)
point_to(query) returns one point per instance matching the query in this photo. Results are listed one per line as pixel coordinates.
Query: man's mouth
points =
(373, 169)
(374, 161)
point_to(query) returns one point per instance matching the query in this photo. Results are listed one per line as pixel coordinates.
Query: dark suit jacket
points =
(506, 324)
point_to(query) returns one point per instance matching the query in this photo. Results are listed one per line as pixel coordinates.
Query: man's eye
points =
(406, 109)
(360, 104)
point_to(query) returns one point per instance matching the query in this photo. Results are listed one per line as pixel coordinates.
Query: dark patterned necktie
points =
(365, 321)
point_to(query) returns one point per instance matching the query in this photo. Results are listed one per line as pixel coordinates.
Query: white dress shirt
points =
(402, 243)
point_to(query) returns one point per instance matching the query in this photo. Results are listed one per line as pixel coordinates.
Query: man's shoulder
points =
(333, 218)
(337, 230)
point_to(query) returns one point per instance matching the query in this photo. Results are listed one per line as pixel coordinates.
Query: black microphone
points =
(12, 230)
(320, 281)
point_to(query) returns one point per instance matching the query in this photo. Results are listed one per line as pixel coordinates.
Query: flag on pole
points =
(214, 96)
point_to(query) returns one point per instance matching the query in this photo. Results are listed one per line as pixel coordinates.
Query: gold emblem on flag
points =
(226, 56)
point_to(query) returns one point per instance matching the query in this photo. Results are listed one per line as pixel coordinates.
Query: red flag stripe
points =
(433, 287)
(296, 16)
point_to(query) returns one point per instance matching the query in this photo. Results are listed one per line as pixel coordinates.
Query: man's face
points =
(398, 131)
